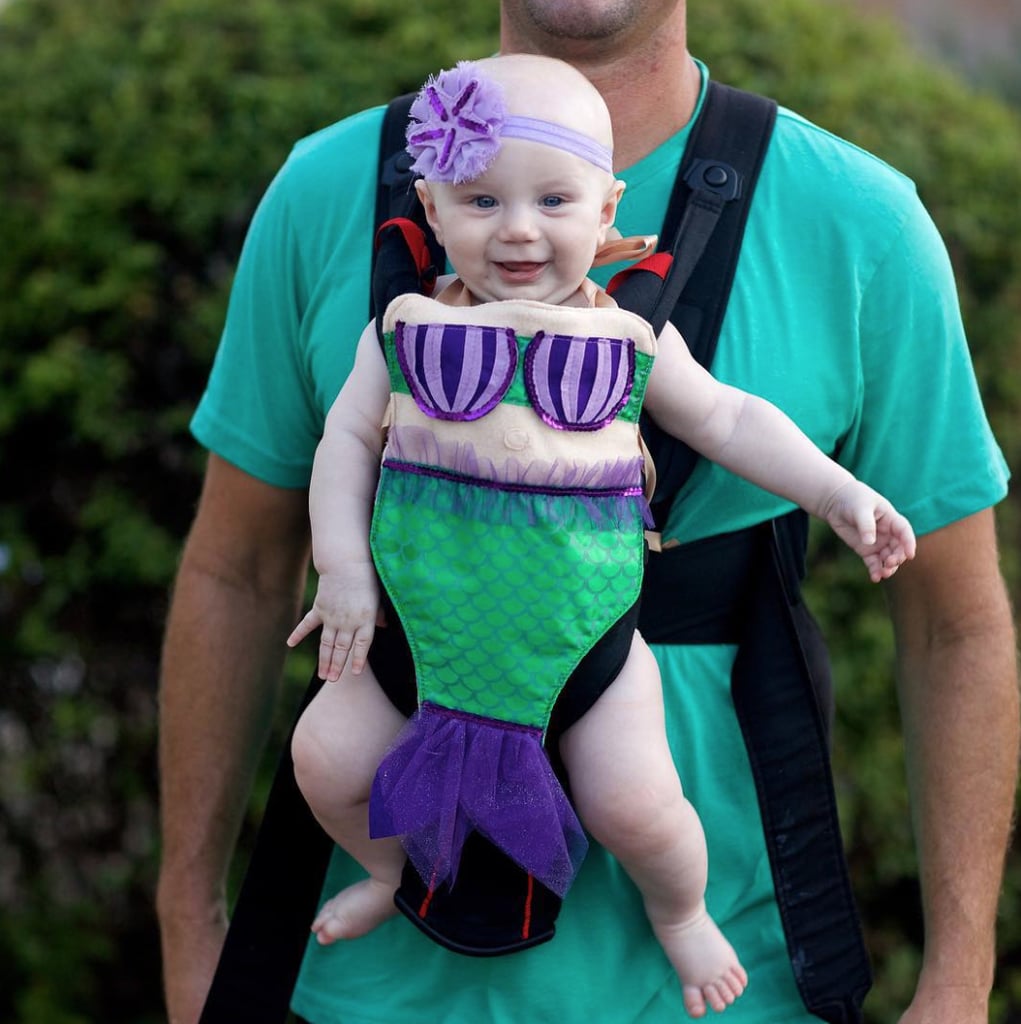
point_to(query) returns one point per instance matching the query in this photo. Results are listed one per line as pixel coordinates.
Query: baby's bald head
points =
(551, 90)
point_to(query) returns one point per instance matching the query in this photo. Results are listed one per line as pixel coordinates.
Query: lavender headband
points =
(459, 117)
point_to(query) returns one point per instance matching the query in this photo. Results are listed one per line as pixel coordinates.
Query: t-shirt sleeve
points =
(921, 436)
(258, 411)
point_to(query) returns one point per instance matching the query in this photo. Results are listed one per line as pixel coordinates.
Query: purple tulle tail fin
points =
(450, 772)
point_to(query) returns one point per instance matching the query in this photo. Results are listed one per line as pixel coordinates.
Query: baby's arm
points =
(344, 477)
(753, 438)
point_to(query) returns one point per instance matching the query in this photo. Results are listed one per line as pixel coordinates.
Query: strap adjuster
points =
(714, 176)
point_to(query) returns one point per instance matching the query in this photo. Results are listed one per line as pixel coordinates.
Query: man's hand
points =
(946, 1003)
(191, 948)
(957, 687)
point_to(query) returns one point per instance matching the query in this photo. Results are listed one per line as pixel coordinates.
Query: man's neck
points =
(651, 88)
(647, 105)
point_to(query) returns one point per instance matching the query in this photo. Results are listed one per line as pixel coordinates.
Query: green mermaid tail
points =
(505, 569)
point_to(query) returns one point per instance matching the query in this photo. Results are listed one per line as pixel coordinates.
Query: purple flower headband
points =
(459, 117)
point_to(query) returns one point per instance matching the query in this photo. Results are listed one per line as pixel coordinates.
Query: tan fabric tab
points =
(630, 249)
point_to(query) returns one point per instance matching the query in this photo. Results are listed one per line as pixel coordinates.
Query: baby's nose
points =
(519, 222)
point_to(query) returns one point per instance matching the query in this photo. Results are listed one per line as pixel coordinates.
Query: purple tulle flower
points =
(454, 132)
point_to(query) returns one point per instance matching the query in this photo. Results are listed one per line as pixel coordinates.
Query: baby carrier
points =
(741, 588)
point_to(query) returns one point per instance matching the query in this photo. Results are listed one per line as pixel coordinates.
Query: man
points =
(843, 313)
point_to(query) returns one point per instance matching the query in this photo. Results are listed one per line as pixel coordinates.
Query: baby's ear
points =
(425, 197)
(609, 212)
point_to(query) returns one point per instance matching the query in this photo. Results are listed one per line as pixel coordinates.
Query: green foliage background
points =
(135, 139)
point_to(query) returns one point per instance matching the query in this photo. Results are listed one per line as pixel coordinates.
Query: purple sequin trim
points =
(493, 502)
(514, 488)
(579, 383)
(450, 773)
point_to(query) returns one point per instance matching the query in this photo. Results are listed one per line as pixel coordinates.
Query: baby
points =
(506, 523)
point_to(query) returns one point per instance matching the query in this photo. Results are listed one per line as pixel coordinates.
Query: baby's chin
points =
(519, 287)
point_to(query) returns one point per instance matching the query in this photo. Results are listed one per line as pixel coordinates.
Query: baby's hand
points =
(872, 527)
(346, 606)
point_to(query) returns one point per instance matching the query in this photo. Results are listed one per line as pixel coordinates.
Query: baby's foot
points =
(354, 911)
(705, 961)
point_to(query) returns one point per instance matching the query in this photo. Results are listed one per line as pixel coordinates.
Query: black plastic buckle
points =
(714, 176)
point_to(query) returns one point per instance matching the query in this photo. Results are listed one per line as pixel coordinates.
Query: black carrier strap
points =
(704, 225)
(394, 270)
(780, 680)
(785, 733)
(279, 896)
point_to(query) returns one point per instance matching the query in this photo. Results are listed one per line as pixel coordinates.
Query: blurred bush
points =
(135, 140)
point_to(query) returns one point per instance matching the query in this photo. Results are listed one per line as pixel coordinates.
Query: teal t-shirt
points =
(843, 313)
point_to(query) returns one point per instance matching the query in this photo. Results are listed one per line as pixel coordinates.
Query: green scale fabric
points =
(499, 607)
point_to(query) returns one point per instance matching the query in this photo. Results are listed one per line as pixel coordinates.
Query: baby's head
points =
(516, 159)
(461, 116)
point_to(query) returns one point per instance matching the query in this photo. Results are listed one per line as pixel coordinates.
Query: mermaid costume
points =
(508, 532)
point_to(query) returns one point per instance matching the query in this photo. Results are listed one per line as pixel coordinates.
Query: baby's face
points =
(529, 227)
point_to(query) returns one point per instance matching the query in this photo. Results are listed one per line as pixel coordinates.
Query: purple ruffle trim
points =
(610, 492)
(418, 444)
(450, 773)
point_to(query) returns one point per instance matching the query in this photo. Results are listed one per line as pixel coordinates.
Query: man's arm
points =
(236, 597)
(957, 686)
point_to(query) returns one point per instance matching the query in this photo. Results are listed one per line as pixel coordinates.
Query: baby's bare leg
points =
(628, 795)
(337, 746)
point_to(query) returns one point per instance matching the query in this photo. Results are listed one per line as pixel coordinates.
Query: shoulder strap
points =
(405, 254)
(393, 187)
(703, 229)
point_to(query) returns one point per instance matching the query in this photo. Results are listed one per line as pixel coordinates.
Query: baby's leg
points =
(337, 746)
(628, 795)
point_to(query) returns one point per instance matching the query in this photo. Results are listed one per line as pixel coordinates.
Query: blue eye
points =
(484, 202)
(552, 202)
